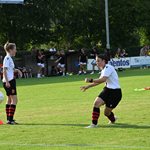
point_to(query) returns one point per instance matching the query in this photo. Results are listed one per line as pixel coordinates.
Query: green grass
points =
(52, 113)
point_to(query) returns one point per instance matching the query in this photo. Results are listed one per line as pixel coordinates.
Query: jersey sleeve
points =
(107, 71)
(6, 62)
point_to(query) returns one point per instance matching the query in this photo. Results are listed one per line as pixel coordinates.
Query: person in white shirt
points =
(111, 94)
(9, 82)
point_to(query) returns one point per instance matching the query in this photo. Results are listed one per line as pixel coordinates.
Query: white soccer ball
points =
(1, 97)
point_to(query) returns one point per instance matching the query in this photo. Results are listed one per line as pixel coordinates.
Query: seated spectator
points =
(123, 53)
(148, 51)
(144, 51)
(117, 55)
(61, 63)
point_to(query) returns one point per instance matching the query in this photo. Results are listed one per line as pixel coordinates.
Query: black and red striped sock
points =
(95, 115)
(12, 110)
(7, 110)
(111, 117)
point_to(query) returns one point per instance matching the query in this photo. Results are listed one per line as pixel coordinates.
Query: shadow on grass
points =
(117, 125)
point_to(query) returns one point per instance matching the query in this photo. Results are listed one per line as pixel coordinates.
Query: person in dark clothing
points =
(61, 63)
(82, 61)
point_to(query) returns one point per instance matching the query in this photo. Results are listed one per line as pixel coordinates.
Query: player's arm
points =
(84, 88)
(18, 71)
(99, 81)
(5, 76)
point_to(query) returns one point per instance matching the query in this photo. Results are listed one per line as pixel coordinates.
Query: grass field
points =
(52, 113)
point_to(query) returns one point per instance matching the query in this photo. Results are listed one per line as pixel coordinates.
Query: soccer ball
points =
(1, 97)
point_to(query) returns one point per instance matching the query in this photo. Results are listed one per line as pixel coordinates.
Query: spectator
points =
(123, 53)
(117, 55)
(61, 63)
(40, 57)
(82, 62)
(93, 55)
(107, 54)
(143, 51)
(148, 51)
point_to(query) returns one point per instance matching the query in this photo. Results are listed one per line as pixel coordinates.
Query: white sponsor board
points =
(140, 61)
(120, 62)
(127, 62)
(11, 1)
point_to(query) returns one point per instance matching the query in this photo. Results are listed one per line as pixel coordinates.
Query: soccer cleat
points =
(91, 126)
(114, 121)
(11, 122)
(14, 122)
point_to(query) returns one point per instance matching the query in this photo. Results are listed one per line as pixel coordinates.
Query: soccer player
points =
(9, 82)
(111, 94)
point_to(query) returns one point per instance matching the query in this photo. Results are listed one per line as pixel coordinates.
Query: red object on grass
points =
(147, 88)
(1, 122)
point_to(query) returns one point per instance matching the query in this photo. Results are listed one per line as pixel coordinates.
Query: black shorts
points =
(12, 89)
(111, 97)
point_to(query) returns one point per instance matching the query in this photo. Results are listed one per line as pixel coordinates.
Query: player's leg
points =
(8, 104)
(12, 109)
(8, 101)
(109, 114)
(96, 112)
(14, 100)
(111, 103)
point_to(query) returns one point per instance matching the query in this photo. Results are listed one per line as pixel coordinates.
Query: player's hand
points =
(7, 84)
(83, 88)
(88, 80)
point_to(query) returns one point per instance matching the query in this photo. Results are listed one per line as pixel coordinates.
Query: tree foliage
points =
(75, 23)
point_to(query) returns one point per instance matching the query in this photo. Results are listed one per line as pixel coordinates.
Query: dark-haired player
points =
(9, 82)
(111, 94)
